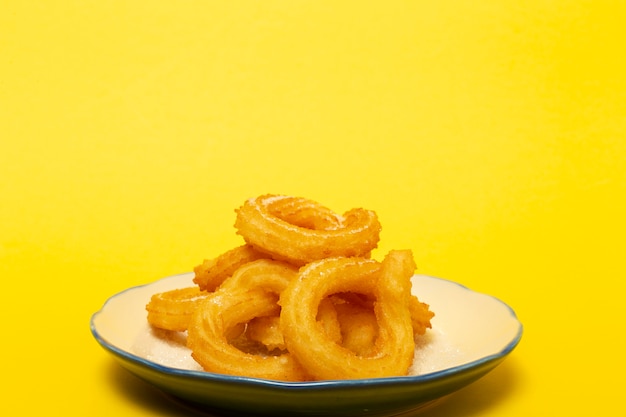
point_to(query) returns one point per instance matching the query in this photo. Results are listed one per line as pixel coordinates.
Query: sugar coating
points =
(165, 348)
(433, 352)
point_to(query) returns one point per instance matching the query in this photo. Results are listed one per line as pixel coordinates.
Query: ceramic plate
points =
(472, 333)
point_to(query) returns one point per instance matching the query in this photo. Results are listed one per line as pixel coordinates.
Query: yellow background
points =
(488, 136)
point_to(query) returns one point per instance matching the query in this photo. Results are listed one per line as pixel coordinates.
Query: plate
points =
(472, 333)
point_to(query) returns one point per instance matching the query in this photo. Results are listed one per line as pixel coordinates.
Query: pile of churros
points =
(301, 299)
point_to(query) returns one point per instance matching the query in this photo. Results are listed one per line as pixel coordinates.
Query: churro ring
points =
(172, 310)
(251, 293)
(389, 282)
(212, 272)
(299, 230)
(210, 347)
